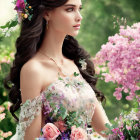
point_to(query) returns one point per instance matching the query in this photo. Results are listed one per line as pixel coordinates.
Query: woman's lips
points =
(77, 27)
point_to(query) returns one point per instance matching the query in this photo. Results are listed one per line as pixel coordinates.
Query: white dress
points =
(73, 92)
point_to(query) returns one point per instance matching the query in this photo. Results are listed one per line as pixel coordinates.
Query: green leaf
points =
(73, 115)
(1, 38)
(52, 105)
(56, 110)
(59, 78)
(108, 126)
(48, 96)
(67, 85)
(5, 67)
(76, 74)
(6, 25)
(13, 24)
(132, 138)
(63, 111)
(80, 121)
(9, 24)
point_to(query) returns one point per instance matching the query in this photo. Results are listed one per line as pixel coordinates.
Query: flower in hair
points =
(24, 10)
(83, 64)
(20, 5)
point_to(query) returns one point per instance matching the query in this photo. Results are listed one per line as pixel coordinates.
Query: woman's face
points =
(63, 18)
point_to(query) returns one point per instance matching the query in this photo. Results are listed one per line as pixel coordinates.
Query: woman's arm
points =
(30, 85)
(99, 119)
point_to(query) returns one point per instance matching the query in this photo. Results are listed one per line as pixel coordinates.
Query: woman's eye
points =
(71, 9)
(81, 8)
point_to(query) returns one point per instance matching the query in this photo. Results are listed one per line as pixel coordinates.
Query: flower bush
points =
(126, 127)
(6, 57)
(119, 61)
(2, 117)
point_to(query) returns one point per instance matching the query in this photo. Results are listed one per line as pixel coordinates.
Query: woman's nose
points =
(79, 16)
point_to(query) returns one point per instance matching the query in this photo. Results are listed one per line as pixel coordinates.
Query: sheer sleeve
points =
(29, 110)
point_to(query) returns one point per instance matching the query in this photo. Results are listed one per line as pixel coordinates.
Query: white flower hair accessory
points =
(83, 64)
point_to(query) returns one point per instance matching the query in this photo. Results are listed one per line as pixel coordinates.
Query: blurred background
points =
(97, 25)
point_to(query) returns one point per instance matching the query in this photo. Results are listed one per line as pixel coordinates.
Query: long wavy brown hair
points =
(29, 42)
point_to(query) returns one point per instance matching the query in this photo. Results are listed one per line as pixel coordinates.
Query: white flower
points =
(83, 64)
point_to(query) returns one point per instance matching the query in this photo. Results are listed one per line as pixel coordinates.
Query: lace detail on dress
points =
(29, 110)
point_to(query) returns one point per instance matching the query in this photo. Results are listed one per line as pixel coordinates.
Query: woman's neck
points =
(52, 45)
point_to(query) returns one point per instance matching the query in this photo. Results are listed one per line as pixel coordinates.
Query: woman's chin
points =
(74, 34)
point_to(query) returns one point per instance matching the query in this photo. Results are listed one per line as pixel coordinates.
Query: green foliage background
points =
(96, 27)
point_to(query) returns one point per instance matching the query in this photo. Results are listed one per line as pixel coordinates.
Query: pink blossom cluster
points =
(7, 59)
(117, 131)
(5, 134)
(121, 58)
(2, 116)
(126, 126)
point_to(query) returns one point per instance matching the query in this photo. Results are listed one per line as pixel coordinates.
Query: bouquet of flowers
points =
(126, 127)
(119, 61)
(61, 124)
(51, 132)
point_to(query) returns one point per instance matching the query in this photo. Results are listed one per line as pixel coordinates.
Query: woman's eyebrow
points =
(71, 5)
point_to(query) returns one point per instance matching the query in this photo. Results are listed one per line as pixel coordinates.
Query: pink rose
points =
(50, 131)
(78, 133)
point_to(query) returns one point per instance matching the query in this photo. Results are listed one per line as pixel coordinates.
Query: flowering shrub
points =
(2, 116)
(5, 61)
(119, 60)
(126, 127)
(6, 58)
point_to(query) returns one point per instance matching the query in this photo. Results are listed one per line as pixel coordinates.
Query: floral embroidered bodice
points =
(74, 93)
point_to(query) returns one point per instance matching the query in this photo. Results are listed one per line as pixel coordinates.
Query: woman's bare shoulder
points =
(40, 70)
(32, 65)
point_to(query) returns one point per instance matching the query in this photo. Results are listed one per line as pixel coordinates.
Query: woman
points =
(46, 51)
